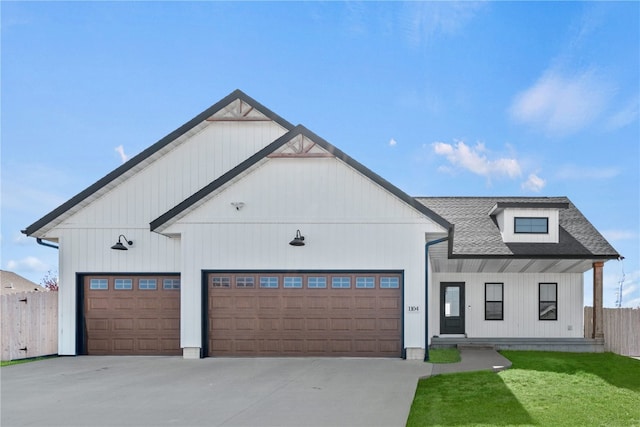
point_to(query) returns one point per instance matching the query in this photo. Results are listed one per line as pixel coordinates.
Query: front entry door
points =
(452, 308)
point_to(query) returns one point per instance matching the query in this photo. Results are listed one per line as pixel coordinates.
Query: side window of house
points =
(493, 301)
(548, 301)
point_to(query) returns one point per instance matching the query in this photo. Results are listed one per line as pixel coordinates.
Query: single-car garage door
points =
(304, 314)
(132, 314)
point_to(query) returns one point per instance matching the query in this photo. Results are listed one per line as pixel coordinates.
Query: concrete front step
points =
(579, 345)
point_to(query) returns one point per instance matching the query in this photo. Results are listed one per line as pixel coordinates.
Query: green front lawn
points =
(20, 361)
(541, 388)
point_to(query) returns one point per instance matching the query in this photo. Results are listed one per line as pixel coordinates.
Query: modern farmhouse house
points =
(239, 234)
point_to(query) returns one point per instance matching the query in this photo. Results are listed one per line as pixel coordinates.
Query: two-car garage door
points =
(304, 314)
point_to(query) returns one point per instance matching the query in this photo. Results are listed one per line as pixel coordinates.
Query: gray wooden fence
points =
(621, 329)
(29, 325)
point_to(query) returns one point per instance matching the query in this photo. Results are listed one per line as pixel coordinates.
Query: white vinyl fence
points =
(621, 329)
(29, 325)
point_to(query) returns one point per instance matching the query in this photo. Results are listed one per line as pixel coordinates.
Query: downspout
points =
(49, 245)
(426, 294)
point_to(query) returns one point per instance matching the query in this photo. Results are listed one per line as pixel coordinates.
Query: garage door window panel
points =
(99, 284)
(269, 282)
(245, 282)
(341, 282)
(123, 284)
(316, 282)
(147, 284)
(365, 282)
(171, 284)
(221, 282)
(389, 282)
(293, 282)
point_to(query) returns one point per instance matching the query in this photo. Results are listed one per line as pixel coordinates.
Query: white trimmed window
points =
(548, 301)
(493, 301)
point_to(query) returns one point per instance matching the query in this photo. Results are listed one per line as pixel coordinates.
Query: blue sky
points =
(440, 98)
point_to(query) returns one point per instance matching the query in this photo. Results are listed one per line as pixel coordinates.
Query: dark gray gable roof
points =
(269, 149)
(476, 233)
(134, 161)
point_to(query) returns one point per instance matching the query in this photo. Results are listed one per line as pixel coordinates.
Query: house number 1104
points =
(414, 308)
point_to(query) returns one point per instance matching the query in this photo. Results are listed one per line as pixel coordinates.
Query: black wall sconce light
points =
(298, 240)
(119, 246)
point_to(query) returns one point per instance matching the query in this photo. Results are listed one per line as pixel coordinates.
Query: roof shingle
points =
(476, 233)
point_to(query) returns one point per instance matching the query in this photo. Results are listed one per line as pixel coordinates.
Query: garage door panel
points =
(366, 302)
(317, 324)
(302, 320)
(296, 324)
(317, 302)
(269, 302)
(143, 319)
(388, 302)
(246, 324)
(148, 325)
(366, 324)
(341, 302)
(389, 324)
(122, 325)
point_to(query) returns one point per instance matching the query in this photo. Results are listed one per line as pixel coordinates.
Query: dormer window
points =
(528, 225)
(528, 222)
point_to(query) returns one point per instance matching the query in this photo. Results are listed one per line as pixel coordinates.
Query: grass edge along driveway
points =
(541, 388)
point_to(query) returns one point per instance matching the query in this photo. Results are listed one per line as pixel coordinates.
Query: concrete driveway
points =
(161, 391)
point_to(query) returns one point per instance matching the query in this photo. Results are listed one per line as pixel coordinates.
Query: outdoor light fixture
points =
(119, 246)
(298, 240)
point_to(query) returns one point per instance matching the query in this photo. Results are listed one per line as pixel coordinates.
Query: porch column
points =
(598, 312)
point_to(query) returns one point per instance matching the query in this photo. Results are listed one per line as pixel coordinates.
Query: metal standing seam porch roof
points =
(476, 233)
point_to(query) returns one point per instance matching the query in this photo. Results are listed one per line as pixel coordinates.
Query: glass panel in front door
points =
(452, 301)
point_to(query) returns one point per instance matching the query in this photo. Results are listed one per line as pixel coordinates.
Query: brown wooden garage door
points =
(304, 314)
(132, 315)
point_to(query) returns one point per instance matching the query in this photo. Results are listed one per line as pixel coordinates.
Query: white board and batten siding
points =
(85, 238)
(520, 308)
(349, 223)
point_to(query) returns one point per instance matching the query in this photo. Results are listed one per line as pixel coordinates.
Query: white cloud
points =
(534, 183)
(392, 142)
(30, 264)
(560, 104)
(614, 235)
(425, 20)
(22, 240)
(475, 160)
(624, 116)
(573, 172)
(120, 150)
